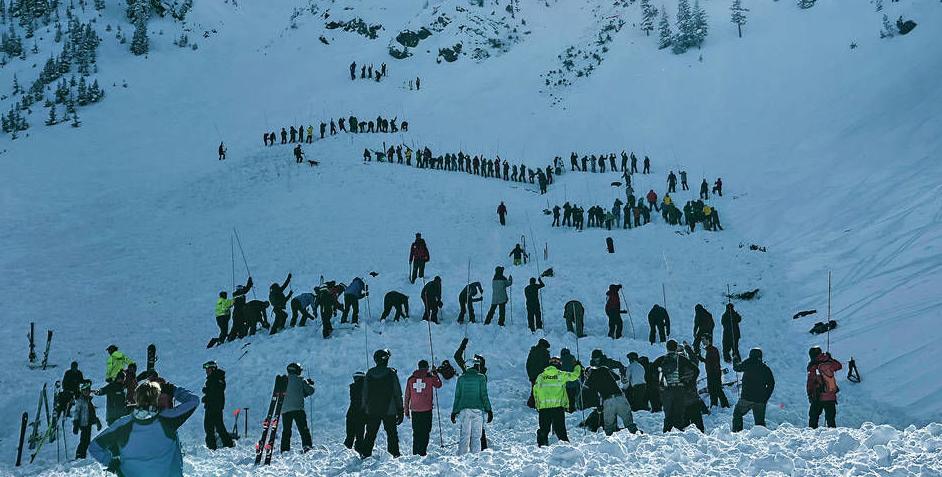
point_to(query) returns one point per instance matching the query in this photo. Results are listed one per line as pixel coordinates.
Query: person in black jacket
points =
(678, 378)
(534, 312)
(659, 322)
(703, 325)
(469, 295)
(757, 386)
(71, 381)
(537, 361)
(356, 419)
(278, 300)
(651, 381)
(214, 401)
(603, 382)
(382, 403)
(397, 300)
(239, 328)
(432, 298)
(730, 322)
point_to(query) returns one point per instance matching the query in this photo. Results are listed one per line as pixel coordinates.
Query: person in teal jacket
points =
(145, 443)
(471, 403)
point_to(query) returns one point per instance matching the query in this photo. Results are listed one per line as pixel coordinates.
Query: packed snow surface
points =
(120, 231)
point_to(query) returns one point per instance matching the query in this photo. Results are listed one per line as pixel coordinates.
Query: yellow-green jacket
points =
(549, 391)
(116, 363)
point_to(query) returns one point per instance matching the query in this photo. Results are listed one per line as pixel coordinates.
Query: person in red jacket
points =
(614, 311)
(822, 387)
(502, 213)
(418, 403)
(652, 200)
(418, 256)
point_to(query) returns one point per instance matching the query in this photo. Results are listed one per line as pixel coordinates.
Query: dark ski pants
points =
(356, 429)
(534, 319)
(421, 429)
(675, 407)
(576, 324)
(372, 429)
(501, 308)
(469, 308)
(350, 303)
(658, 330)
(222, 322)
(554, 418)
(296, 310)
(730, 349)
(388, 307)
(742, 408)
(418, 270)
(299, 418)
(654, 396)
(328, 327)
(715, 388)
(615, 324)
(830, 413)
(503, 219)
(638, 397)
(278, 324)
(431, 312)
(213, 425)
(694, 414)
(85, 437)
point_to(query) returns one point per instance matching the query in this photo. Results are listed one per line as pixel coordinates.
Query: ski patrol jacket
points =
(419, 391)
(223, 306)
(117, 361)
(549, 391)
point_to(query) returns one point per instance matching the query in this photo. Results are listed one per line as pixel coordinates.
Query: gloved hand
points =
(490, 416)
(114, 466)
(75, 428)
(98, 425)
(454, 418)
(399, 418)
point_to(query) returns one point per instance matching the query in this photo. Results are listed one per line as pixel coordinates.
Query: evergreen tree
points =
(738, 15)
(139, 41)
(82, 92)
(3, 12)
(888, 30)
(684, 37)
(878, 4)
(648, 14)
(700, 27)
(52, 120)
(664, 30)
(75, 120)
(805, 3)
(17, 89)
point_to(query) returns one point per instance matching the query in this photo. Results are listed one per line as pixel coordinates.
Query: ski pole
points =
(467, 298)
(438, 409)
(628, 310)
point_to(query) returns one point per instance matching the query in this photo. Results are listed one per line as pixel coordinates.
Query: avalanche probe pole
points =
(246, 262)
(829, 311)
(438, 408)
(581, 370)
(628, 309)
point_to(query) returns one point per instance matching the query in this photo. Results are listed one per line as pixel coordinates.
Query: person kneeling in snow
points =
(146, 442)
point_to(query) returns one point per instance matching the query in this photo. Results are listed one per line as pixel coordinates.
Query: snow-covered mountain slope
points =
(118, 231)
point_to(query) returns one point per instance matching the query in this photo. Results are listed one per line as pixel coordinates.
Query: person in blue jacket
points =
(145, 443)
(351, 299)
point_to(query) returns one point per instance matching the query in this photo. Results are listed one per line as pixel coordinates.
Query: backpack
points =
(446, 370)
(821, 382)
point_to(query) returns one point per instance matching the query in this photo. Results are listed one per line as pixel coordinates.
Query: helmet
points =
(556, 361)
(381, 356)
(210, 365)
(295, 368)
(814, 352)
(755, 353)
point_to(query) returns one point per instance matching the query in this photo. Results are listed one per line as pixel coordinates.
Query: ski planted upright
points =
(151, 357)
(275, 394)
(19, 449)
(46, 352)
(34, 434)
(273, 431)
(32, 343)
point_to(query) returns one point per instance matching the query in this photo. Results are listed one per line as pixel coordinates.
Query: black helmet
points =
(556, 361)
(381, 356)
(210, 365)
(295, 368)
(814, 352)
(755, 353)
